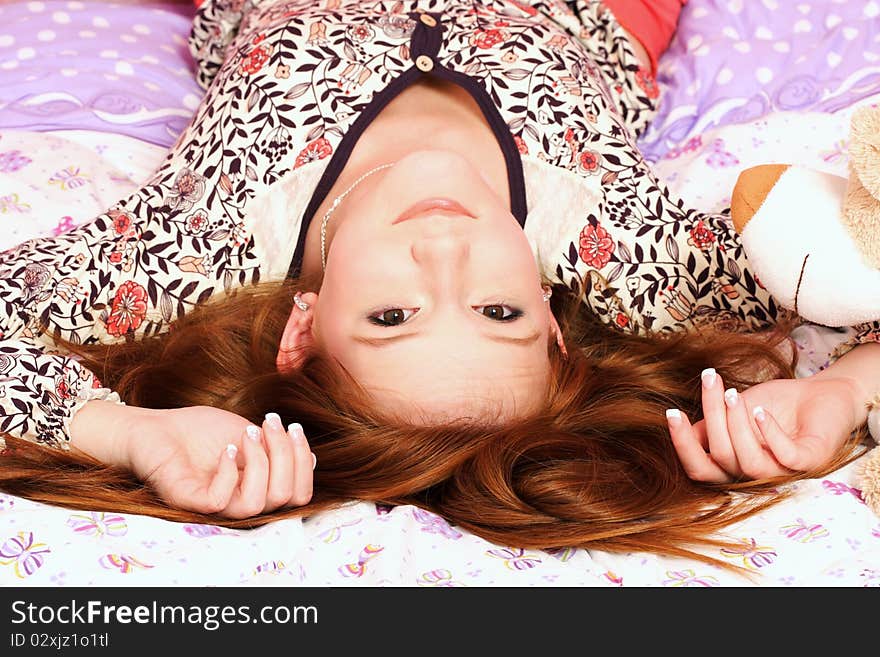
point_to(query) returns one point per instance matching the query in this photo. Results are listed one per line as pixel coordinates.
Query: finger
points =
(303, 464)
(281, 460)
(715, 415)
(698, 465)
(754, 461)
(222, 486)
(250, 498)
(789, 453)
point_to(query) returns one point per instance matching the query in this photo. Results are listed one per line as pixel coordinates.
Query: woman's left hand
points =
(773, 428)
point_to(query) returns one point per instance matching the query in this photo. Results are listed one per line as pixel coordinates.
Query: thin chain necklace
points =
(336, 203)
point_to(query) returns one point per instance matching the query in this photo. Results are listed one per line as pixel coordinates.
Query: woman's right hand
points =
(208, 460)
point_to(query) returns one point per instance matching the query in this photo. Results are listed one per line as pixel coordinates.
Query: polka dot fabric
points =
(120, 68)
(734, 61)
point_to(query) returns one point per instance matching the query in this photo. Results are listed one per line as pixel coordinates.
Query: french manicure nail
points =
(730, 397)
(758, 412)
(314, 460)
(274, 420)
(673, 416)
(708, 376)
(231, 450)
(296, 431)
(253, 432)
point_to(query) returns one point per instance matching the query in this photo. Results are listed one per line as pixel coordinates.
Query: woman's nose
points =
(446, 250)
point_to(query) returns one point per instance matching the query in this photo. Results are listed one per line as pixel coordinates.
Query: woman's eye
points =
(499, 312)
(392, 316)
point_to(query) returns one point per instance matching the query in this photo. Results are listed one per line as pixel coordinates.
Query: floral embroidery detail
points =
(647, 83)
(121, 221)
(596, 246)
(128, 310)
(35, 277)
(521, 146)
(701, 237)
(589, 161)
(188, 188)
(256, 58)
(487, 39)
(282, 72)
(317, 150)
(360, 33)
(196, 222)
(317, 34)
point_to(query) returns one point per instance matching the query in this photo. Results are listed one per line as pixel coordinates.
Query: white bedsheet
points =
(823, 536)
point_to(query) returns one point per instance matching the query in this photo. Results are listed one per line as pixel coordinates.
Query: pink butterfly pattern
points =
(358, 569)
(438, 578)
(25, 555)
(124, 563)
(98, 524)
(434, 524)
(752, 555)
(840, 488)
(689, 578)
(515, 559)
(803, 532)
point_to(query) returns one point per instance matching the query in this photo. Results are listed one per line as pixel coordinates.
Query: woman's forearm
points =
(860, 367)
(102, 430)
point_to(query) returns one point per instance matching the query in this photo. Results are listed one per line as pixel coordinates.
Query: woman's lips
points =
(434, 205)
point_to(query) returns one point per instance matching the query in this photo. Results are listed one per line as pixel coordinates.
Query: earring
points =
(297, 299)
(548, 292)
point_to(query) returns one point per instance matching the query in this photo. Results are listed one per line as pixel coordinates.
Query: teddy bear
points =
(813, 238)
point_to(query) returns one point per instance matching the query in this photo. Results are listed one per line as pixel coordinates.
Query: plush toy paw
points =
(870, 482)
(813, 238)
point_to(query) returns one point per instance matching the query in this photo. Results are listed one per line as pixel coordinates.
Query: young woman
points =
(367, 234)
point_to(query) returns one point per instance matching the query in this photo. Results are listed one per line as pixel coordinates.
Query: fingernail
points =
(730, 397)
(708, 376)
(274, 420)
(296, 431)
(231, 450)
(758, 412)
(253, 432)
(314, 460)
(673, 416)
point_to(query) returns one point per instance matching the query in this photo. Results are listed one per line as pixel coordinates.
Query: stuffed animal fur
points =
(813, 238)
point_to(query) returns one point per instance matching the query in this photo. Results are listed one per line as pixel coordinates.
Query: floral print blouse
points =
(290, 85)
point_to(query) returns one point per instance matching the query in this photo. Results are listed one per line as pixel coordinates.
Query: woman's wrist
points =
(103, 430)
(859, 368)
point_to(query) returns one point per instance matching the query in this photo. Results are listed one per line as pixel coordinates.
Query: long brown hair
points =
(594, 467)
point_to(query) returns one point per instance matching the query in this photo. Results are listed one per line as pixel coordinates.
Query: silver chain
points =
(336, 203)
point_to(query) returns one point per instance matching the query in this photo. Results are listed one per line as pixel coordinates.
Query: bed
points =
(93, 93)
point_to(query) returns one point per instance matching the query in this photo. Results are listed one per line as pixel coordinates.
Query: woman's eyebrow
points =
(384, 342)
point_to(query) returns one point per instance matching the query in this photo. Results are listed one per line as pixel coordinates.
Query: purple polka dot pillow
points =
(115, 67)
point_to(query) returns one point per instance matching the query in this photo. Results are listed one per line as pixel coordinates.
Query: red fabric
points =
(652, 22)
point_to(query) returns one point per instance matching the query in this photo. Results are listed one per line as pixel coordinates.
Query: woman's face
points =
(431, 296)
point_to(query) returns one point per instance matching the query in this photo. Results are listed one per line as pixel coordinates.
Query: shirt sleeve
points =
(41, 392)
(126, 274)
(215, 25)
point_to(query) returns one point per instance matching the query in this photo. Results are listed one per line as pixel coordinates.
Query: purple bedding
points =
(97, 66)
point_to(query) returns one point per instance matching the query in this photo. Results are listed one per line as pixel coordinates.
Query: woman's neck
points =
(430, 114)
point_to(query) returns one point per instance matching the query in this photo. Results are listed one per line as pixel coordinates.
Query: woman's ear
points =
(297, 337)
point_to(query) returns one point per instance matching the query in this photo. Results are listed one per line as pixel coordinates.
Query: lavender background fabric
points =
(97, 66)
(126, 69)
(734, 61)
